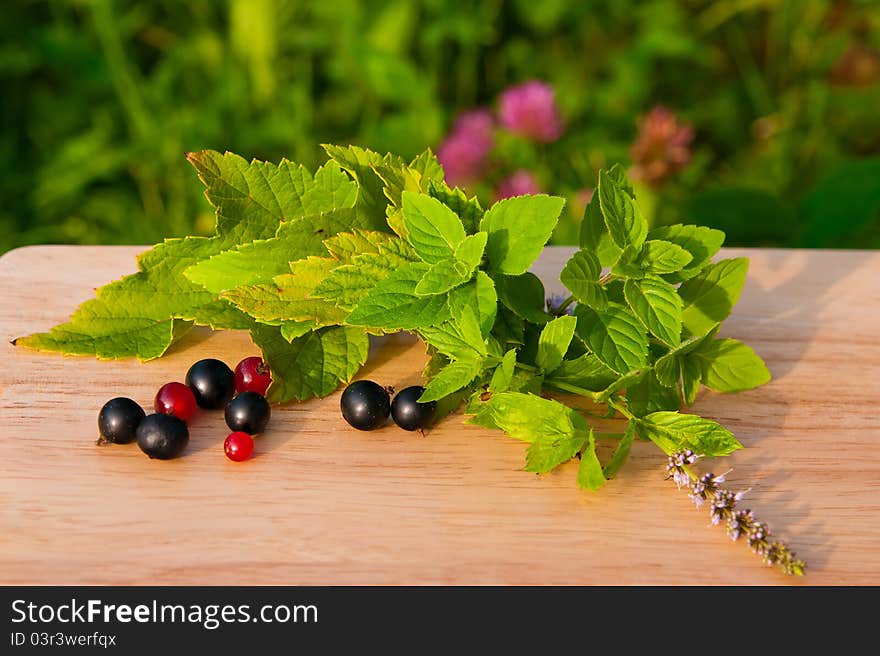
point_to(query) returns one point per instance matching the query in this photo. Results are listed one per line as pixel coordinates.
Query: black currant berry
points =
(119, 419)
(162, 436)
(248, 413)
(408, 413)
(212, 383)
(365, 405)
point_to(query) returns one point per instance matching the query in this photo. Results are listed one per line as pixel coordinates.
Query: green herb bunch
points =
(313, 263)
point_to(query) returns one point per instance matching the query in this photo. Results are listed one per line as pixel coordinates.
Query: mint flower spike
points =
(723, 508)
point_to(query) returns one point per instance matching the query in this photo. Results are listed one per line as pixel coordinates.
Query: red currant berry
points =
(238, 446)
(252, 375)
(176, 399)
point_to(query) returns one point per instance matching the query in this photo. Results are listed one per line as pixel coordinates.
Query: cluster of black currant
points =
(366, 405)
(210, 384)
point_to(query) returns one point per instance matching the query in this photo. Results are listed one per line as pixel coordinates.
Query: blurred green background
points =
(776, 103)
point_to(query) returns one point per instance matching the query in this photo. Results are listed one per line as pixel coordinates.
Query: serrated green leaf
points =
(618, 173)
(624, 219)
(701, 242)
(621, 453)
(547, 452)
(479, 293)
(524, 296)
(427, 164)
(518, 228)
(584, 372)
(524, 416)
(657, 306)
(580, 275)
(260, 260)
(468, 209)
(433, 230)
(503, 374)
(139, 315)
(346, 245)
(359, 163)
(454, 376)
(672, 431)
(346, 285)
(290, 330)
(312, 365)
(459, 338)
(667, 367)
(553, 342)
(616, 337)
(649, 395)
(393, 303)
(728, 365)
(709, 297)
(594, 235)
(663, 257)
(590, 475)
(691, 377)
(248, 194)
(289, 296)
(450, 273)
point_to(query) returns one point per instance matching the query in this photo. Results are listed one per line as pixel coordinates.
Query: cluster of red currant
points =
(210, 384)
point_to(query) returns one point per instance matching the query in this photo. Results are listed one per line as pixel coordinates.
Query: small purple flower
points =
(520, 183)
(529, 110)
(465, 152)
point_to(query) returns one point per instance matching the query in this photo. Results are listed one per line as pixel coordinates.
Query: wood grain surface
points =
(324, 504)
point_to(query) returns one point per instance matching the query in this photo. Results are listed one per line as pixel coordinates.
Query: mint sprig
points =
(311, 264)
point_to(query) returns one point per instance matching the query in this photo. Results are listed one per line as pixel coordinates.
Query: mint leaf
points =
(728, 365)
(709, 297)
(345, 246)
(524, 416)
(623, 382)
(668, 366)
(701, 242)
(518, 229)
(691, 377)
(312, 365)
(450, 273)
(468, 209)
(524, 296)
(433, 230)
(479, 293)
(649, 395)
(553, 342)
(547, 452)
(657, 306)
(672, 431)
(585, 372)
(427, 164)
(393, 303)
(594, 235)
(616, 337)
(459, 338)
(621, 453)
(503, 374)
(654, 257)
(454, 376)
(590, 475)
(624, 219)
(580, 275)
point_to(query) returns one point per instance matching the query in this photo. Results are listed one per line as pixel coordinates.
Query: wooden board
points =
(324, 504)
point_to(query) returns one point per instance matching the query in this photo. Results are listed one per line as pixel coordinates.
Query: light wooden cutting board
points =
(324, 504)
